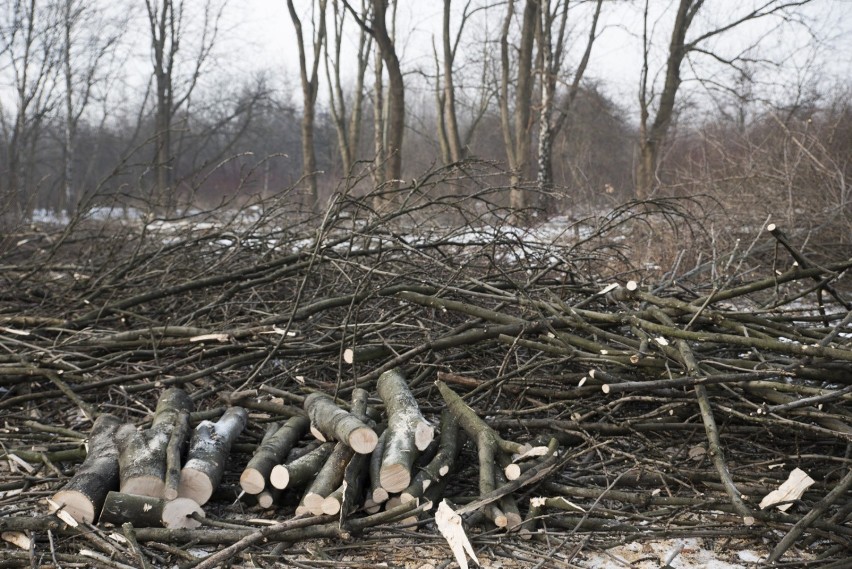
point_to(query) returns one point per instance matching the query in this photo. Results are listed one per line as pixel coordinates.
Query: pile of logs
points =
(153, 478)
(529, 382)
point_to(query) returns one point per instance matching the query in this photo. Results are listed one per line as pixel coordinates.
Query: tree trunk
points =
(396, 93)
(310, 87)
(449, 99)
(516, 128)
(651, 136)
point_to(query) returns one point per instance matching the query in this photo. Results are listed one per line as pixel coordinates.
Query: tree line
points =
(86, 118)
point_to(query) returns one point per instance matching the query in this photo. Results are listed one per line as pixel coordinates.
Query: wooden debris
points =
(208, 454)
(83, 496)
(330, 422)
(407, 433)
(143, 454)
(271, 451)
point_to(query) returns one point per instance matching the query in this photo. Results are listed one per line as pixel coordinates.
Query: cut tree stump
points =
(146, 511)
(208, 454)
(408, 432)
(330, 422)
(83, 496)
(271, 451)
(143, 454)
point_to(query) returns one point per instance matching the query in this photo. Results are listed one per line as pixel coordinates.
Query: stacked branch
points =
(276, 444)
(331, 476)
(489, 445)
(330, 422)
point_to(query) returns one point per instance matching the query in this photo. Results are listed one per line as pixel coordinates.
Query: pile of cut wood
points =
(550, 389)
(152, 478)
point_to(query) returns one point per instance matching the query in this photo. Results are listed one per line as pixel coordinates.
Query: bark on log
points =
(449, 447)
(271, 452)
(378, 494)
(330, 422)
(298, 472)
(174, 455)
(488, 443)
(83, 496)
(142, 454)
(330, 476)
(146, 511)
(208, 454)
(408, 432)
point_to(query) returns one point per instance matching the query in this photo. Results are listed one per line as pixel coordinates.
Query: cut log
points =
(514, 470)
(350, 494)
(407, 434)
(488, 444)
(449, 447)
(268, 498)
(208, 454)
(145, 511)
(330, 476)
(297, 473)
(83, 496)
(142, 454)
(174, 454)
(272, 451)
(330, 422)
(378, 494)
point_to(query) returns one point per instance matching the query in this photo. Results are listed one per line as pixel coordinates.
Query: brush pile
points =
(546, 384)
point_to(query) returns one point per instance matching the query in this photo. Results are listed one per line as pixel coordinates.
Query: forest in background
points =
(153, 105)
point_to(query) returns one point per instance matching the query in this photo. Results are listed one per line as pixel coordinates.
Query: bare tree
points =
(396, 92)
(28, 42)
(310, 87)
(516, 133)
(652, 133)
(89, 40)
(552, 53)
(388, 139)
(348, 131)
(173, 89)
(449, 138)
